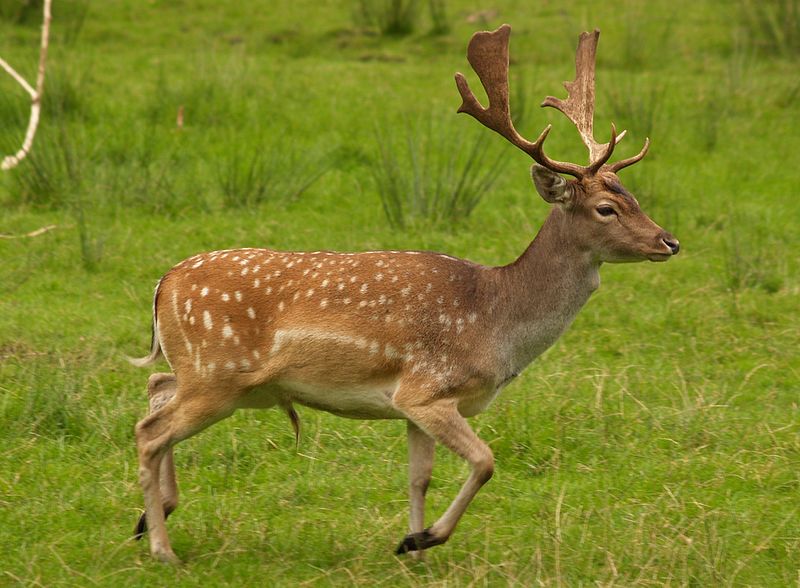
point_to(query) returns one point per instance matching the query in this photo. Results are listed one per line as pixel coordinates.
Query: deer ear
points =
(551, 186)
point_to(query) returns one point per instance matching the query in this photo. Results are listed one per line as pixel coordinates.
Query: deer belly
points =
(361, 401)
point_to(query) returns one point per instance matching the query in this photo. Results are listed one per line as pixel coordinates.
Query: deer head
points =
(603, 216)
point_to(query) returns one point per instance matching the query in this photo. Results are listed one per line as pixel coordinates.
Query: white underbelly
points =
(362, 401)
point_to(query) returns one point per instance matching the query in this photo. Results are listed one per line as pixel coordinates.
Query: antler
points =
(618, 165)
(487, 53)
(579, 105)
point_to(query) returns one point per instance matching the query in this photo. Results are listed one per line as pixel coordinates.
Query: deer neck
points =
(539, 295)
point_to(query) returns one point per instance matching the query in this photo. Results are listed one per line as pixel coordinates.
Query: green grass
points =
(657, 443)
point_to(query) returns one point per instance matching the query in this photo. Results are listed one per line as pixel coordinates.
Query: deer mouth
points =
(659, 256)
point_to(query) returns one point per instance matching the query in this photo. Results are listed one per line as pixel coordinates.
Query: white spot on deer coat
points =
(207, 322)
(227, 331)
(391, 352)
(251, 313)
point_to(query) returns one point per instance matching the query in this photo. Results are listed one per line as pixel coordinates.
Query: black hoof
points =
(141, 527)
(417, 542)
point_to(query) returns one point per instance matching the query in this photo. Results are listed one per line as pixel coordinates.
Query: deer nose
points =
(673, 244)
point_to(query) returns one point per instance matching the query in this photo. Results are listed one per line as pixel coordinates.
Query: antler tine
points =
(579, 105)
(608, 149)
(618, 165)
(487, 53)
(538, 154)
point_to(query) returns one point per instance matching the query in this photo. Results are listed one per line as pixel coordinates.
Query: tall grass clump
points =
(635, 103)
(400, 17)
(643, 38)
(51, 173)
(71, 16)
(390, 17)
(720, 97)
(431, 174)
(53, 169)
(21, 12)
(773, 25)
(146, 168)
(91, 244)
(440, 24)
(248, 175)
(53, 176)
(45, 401)
(749, 261)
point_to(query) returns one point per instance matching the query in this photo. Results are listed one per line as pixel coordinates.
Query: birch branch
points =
(11, 161)
(35, 233)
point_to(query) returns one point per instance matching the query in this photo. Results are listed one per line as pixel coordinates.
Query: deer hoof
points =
(141, 527)
(167, 557)
(418, 542)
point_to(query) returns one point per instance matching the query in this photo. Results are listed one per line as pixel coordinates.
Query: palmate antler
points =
(487, 53)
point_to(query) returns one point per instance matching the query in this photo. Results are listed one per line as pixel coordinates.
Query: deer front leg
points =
(442, 421)
(420, 465)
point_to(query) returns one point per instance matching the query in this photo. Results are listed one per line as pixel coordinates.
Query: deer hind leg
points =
(420, 465)
(442, 421)
(187, 414)
(161, 389)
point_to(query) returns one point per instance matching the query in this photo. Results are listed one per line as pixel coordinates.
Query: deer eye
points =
(605, 211)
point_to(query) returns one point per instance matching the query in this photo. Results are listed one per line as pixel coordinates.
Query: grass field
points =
(657, 443)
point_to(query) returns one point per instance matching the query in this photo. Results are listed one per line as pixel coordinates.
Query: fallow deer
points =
(412, 335)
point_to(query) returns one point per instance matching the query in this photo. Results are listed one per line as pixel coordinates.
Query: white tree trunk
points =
(36, 94)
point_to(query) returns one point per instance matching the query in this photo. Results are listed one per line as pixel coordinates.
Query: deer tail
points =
(155, 345)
